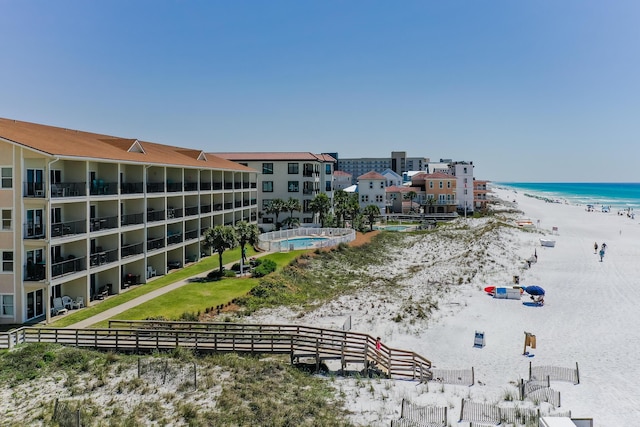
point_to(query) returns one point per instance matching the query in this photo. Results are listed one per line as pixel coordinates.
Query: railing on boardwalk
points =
(296, 340)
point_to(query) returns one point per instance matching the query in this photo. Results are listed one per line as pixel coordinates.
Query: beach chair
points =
(79, 302)
(151, 272)
(58, 307)
(67, 302)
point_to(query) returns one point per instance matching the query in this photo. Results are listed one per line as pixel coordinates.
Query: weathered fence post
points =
(139, 367)
(577, 373)
(195, 376)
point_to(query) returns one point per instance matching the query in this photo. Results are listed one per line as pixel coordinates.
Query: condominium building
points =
(298, 175)
(437, 192)
(372, 190)
(398, 162)
(463, 171)
(85, 215)
(480, 190)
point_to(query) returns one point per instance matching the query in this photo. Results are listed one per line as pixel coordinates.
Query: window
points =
(365, 198)
(382, 184)
(448, 184)
(267, 186)
(6, 219)
(265, 203)
(7, 177)
(465, 170)
(327, 186)
(6, 305)
(293, 168)
(379, 198)
(370, 184)
(293, 186)
(327, 169)
(267, 168)
(7, 262)
(441, 186)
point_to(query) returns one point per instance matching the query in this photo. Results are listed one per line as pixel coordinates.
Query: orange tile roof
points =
(402, 189)
(258, 156)
(435, 175)
(62, 142)
(372, 175)
(341, 173)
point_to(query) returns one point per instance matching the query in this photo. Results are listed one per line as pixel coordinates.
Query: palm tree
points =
(410, 196)
(371, 212)
(274, 207)
(220, 238)
(353, 207)
(321, 205)
(340, 199)
(292, 205)
(246, 233)
(291, 222)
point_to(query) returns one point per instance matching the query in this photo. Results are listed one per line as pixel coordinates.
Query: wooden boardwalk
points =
(302, 343)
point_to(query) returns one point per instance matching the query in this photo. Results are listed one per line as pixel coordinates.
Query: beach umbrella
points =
(534, 290)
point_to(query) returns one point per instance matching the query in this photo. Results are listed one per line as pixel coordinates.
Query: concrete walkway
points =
(108, 314)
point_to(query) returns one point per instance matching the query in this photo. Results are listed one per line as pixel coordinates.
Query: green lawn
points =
(193, 297)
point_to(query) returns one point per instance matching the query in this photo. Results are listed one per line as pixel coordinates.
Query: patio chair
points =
(151, 272)
(67, 302)
(58, 307)
(79, 302)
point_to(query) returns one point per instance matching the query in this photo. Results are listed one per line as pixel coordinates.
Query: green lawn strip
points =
(206, 265)
(191, 298)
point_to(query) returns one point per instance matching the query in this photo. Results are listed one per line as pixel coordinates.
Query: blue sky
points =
(544, 90)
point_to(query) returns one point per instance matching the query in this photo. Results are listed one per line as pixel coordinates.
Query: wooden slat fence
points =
(422, 416)
(296, 340)
(454, 376)
(479, 412)
(554, 373)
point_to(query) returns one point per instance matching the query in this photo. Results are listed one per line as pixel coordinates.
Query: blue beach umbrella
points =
(534, 290)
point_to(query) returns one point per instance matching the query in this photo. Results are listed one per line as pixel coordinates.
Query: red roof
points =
(372, 175)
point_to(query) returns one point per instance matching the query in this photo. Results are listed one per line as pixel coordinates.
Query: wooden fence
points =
(300, 342)
(491, 414)
(454, 376)
(421, 416)
(554, 373)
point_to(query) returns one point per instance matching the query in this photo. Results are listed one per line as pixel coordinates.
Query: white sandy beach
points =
(590, 317)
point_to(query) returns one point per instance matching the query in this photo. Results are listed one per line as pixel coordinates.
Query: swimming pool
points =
(395, 227)
(303, 242)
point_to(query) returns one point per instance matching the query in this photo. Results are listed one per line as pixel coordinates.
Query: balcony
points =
(228, 205)
(130, 250)
(217, 186)
(71, 265)
(217, 207)
(132, 219)
(106, 223)
(205, 186)
(237, 185)
(61, 229)
(33, 189)
(238, 203)
(155, 187)
(35, 272)
(205, 208)
(155, 243)
(33, 231)
(100, 258)
(191, 210)
(174, 187)
(68, 189)
(190, 186)
(228, 185)
(131, 188)
(155, 215)
(100, 188)
(191, 234)
(173, 238)
(246, 185)
(174, 213)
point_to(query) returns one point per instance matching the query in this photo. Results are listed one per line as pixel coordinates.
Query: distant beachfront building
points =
(86, 215)
(341, 180)
(391, 178)
(299, 175)
(372, 190)
(480, 191)
(463, 171)
(439, 190)
(399, 201)
(398, 162)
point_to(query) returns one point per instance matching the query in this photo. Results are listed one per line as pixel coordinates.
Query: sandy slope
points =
(590, 315)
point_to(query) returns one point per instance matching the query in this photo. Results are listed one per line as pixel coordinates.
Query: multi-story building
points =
(391, 178)
(84, 215)
(341, 180)
(438, 191)
(398, 162)
(300, 175)
(463, 171)
(372, 190)
(480, 191)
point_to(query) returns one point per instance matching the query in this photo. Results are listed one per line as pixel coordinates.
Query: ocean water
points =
(618, 195)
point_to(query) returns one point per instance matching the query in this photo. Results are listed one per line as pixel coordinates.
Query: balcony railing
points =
(105, 223)
(191, 234)
(132, 219)
(205, 208)
(237, 185)
(68, 228)
(228, 185)
(33, 231)
(155, 216)
(33, 189)
(228, 205)
(130, 250)
(246, 184)
(155, 187)
(191, 210)
(174, 187)
(68, 266)
(68, 189)
(157, 243)
(190, 186)
(174, 213)
(172, 239)
(131, 188)
(217, 186)
(100, 258)
(204, 186)
(217, 207)
(35, 272)
(99, 187)
(254, 185)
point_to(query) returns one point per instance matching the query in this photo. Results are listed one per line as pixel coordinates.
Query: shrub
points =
(266, 267)
(230, 273)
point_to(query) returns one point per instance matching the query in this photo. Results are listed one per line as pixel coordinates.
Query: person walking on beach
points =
(595, 248)
(601, 254)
